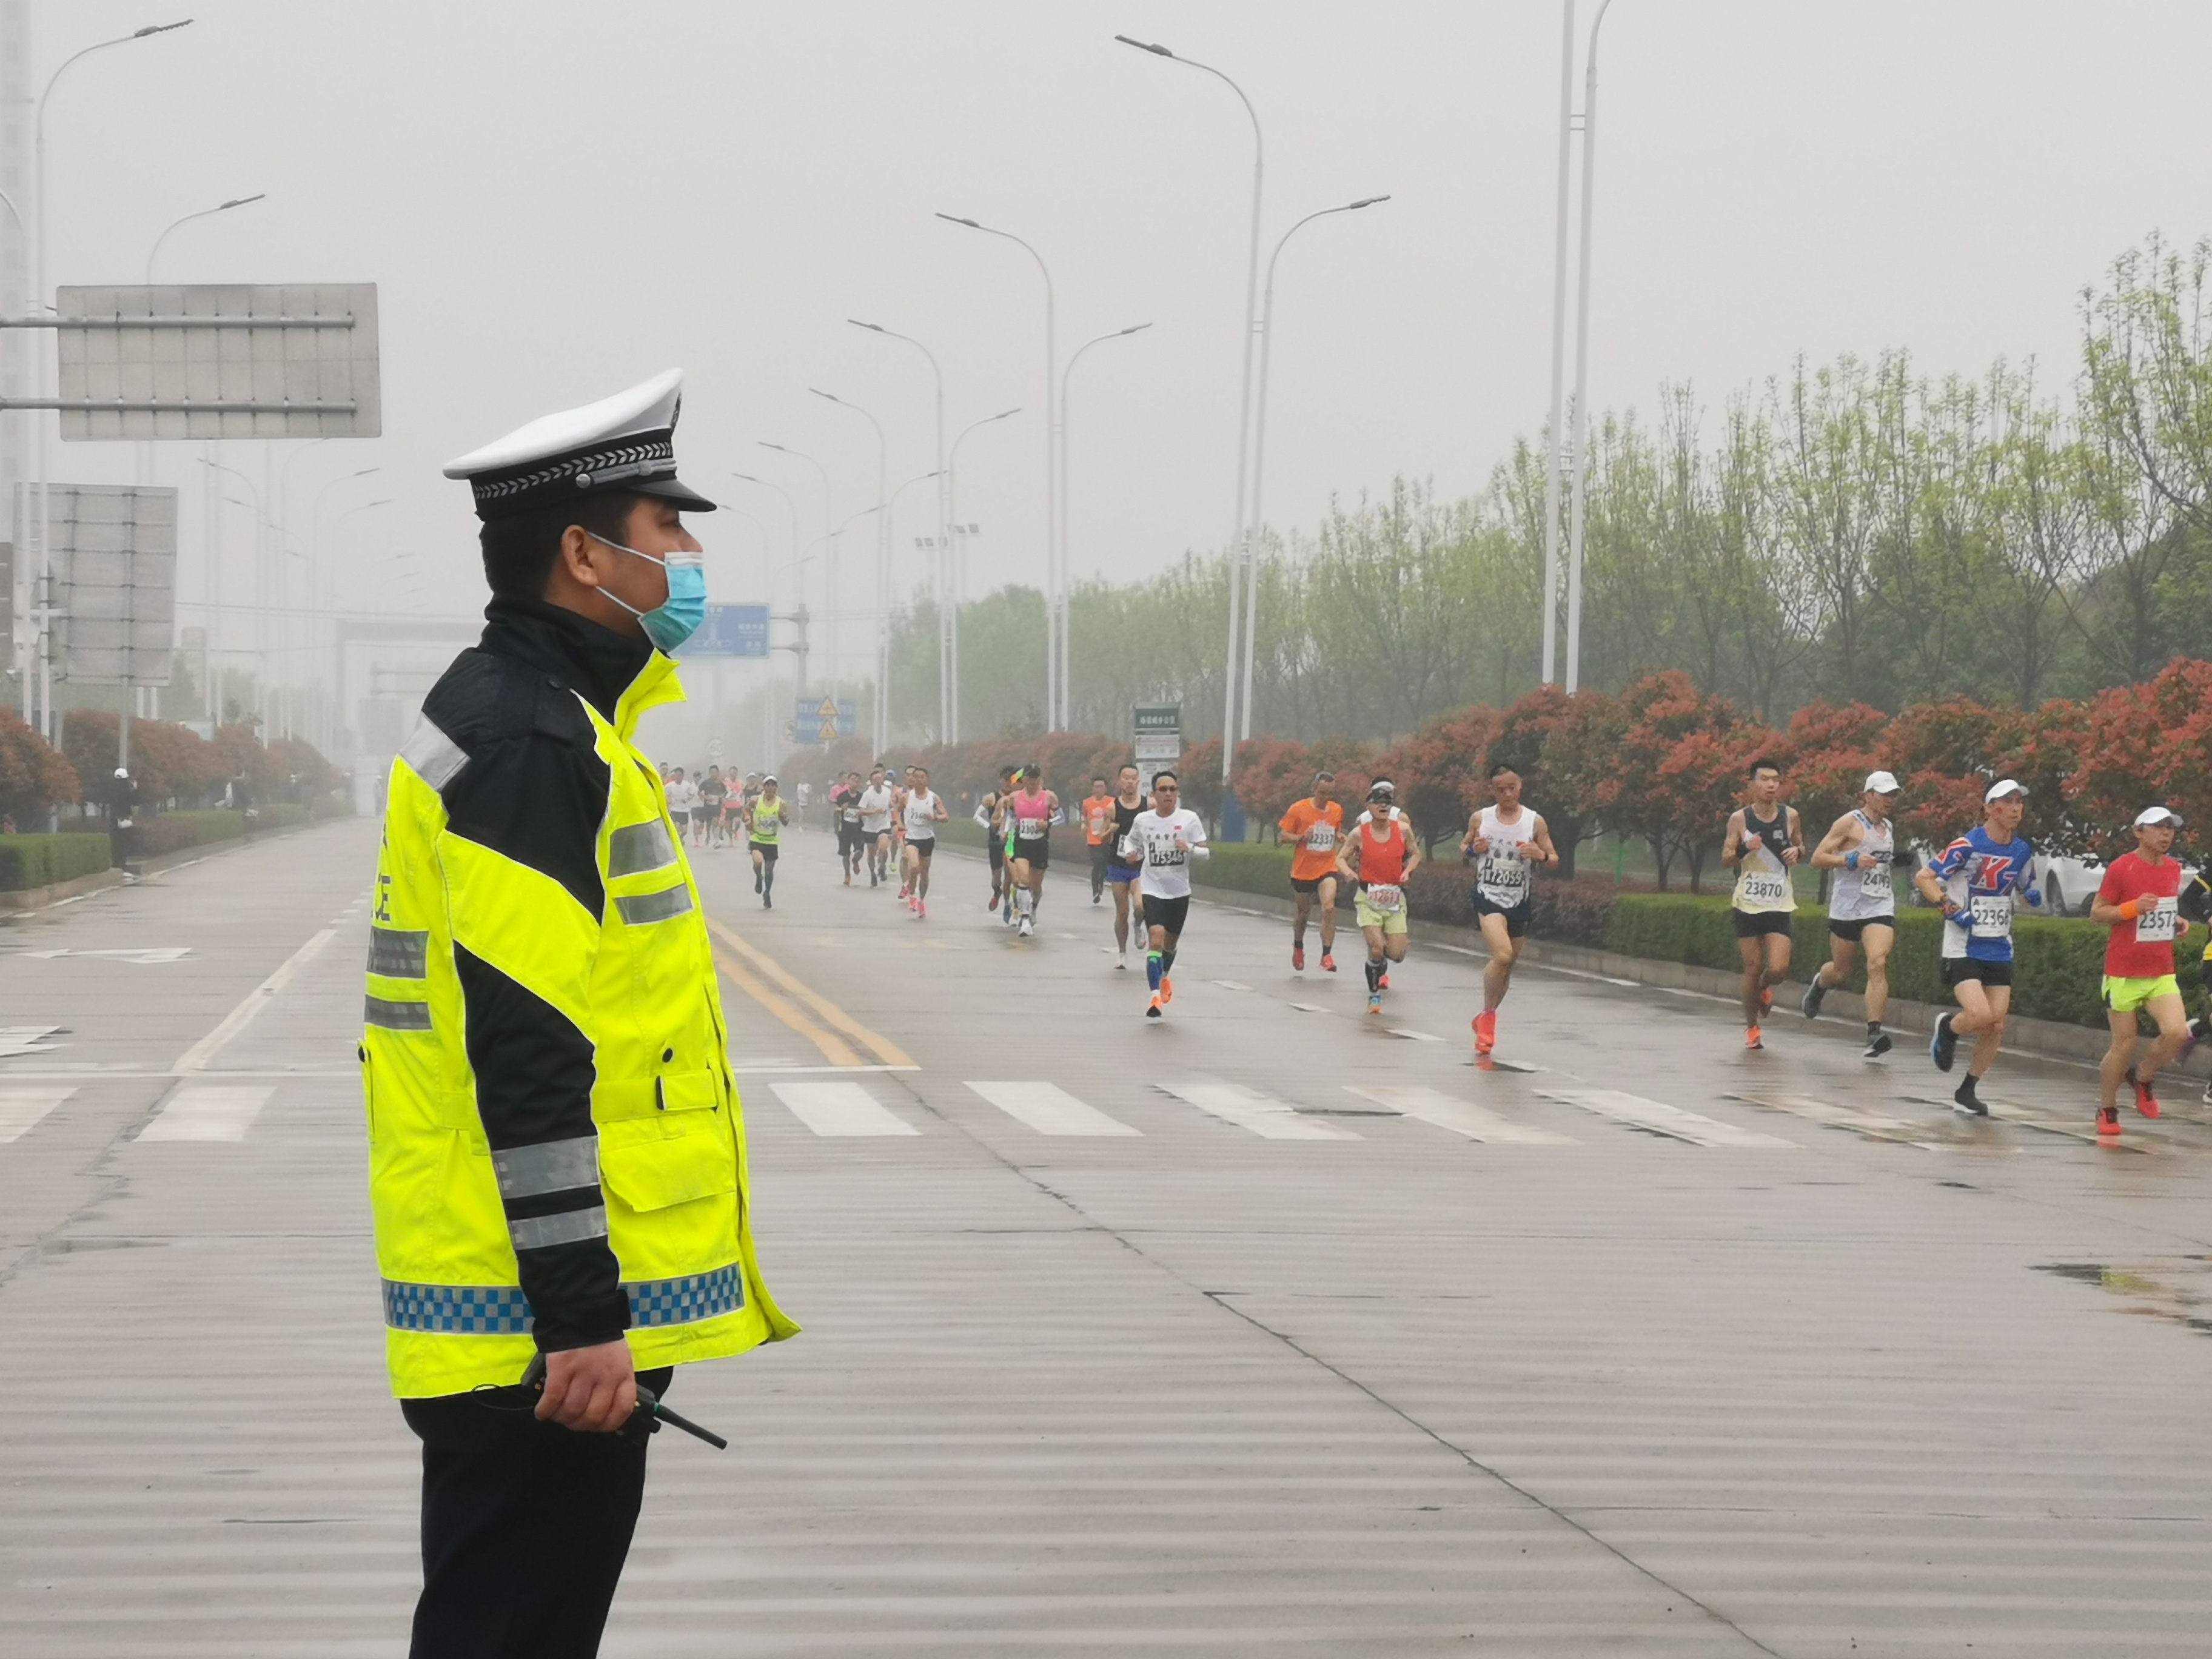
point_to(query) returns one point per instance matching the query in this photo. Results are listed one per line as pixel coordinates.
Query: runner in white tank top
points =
(921, 811)
(1504, 842)
(1861, 848)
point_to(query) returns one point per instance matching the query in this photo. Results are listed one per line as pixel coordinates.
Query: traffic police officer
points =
(557, 1161)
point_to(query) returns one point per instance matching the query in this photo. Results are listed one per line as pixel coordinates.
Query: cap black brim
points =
(676, 492)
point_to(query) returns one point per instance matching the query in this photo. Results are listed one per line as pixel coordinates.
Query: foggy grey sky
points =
(557, 198)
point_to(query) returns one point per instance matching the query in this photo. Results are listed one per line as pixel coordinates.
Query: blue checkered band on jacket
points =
(503, 1310)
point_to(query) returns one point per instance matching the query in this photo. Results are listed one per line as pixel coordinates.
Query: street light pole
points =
(1581, 360)
(948, 611)
(953, 501)
(1552, 433)
(1066, 703)
(1260, 447)
(883, 566)
(1055, 554)
(830, 640)
(43, 517)
(1237, 555)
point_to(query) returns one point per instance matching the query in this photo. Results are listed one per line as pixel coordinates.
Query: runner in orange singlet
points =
(1379, 855)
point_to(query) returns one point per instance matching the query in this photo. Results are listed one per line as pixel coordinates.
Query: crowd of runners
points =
(1142, 841)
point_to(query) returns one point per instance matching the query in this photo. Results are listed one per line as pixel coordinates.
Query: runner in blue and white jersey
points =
(1978, 879)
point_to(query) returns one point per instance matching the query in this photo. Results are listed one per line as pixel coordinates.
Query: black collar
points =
(595, 662)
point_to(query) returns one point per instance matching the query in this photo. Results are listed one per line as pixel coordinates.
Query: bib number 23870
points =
(1766, 889)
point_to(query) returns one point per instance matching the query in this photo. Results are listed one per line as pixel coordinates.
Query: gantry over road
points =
(1265, 1328)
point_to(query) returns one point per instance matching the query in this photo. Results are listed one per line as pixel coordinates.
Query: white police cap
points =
(626, 442)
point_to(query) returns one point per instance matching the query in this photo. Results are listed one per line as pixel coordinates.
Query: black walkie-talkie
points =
(649, 1409)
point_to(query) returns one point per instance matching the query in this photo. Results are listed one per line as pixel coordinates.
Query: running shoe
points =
(1385, 981)
(1766, 1000)
(1167, 988)
(873, 880)
(1815, 993)
(2108, 1122)
(1943, 1046)
(767, 901)
(1327, 963)
(1297, 958)
(1121, 963)
(2146, 1102)
(756, 881)
(1878, 1045)
(848, 879)
(2208, 1094)
(1375, 1002)
(1023, 930)
(921, 910)
(1751, 1038)
(1967, 1102)
(912, 902)
(1153, 1012)
(1486, 1030)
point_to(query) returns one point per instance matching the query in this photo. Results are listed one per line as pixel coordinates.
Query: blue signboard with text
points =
(824, 720)
(730, 630)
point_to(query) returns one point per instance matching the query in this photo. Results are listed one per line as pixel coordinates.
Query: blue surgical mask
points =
(677, 618)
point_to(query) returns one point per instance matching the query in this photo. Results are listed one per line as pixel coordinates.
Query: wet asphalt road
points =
(1265, 1328)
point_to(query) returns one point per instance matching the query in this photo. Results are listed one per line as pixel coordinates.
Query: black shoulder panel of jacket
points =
(533, 789)
(534, 1072)
(2195, 901)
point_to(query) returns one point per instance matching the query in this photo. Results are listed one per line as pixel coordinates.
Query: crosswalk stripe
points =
(839, 1108)
(1660, 1118)
(23, 1106)
(209, 1111)
(24, 1039)
(1461, 1117)
(1050, 1109)
(1877, 1125)
(1248, 1109)
(1412, 1035)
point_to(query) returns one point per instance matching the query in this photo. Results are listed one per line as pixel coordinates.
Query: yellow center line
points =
(765, 967)
(833, 1048)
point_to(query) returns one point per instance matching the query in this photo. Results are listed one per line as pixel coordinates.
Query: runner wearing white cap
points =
(2139, 900)
(1860, 846)
(1976, 879)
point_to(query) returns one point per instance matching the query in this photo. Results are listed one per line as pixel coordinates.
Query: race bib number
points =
(1321, 838)
(1098, 823)
(1503, 878)
(2155, 925)
(1386, 900)
(1161, 853)
(1874, 879)
(1762, 888)
(1991, 916)
(1126, 848)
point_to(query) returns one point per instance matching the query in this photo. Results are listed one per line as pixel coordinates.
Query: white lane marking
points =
(1879, 1125)
(26, 1040)
(839, 1108)
(1248, 1109)
(1050, 1109)
(151, 954)
(196, 1057)
(1232, 984)
(20, 1108)
(1411, 1037)
(203, 1111)
(1308, 1008)
(1461, 1117)
(1660, 1118)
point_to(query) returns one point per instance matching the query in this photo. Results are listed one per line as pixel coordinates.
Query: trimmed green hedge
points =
(283, 815)
(28, 861)
(2059, 962)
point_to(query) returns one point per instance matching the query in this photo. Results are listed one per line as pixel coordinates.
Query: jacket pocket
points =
(677, 1157)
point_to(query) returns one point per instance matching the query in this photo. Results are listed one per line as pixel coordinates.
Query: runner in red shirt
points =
(1378, 859)
(2137, 902)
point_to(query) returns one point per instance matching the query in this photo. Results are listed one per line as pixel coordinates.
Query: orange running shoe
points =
(2146, 1102)
(2108, 1122)
(1327, 963)
(1166, 990)
(1766, 1000)
(1153, 1012)
(1485, 1031)
(1751, 1038)
(1297, 958)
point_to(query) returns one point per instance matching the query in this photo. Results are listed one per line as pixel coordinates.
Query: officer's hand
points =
(593, 1391)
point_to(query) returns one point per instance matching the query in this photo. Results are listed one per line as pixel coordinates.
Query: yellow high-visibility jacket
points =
(556, 1154)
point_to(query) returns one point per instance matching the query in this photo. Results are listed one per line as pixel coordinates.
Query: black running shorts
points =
(766, 850)
(1750, 924)
(1168, 913)
(1518, 916)
(1038, 852)
(1851, 931)
(923, 846)
(1310, 883)
(1959, 970)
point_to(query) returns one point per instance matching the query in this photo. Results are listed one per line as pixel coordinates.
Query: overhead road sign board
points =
(214, 360)
(825, 720)
(730, 630)
(114, 591)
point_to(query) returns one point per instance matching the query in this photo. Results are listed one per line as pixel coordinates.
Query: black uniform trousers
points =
(525, 1526)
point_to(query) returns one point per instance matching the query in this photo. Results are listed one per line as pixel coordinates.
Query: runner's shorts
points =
(1750, 924)
(1310, 883)
(1390, 921)
(1850, 932)
(1517, 915)
(1959, 970)
(2124, 996)
(766, 850)
(923, 846)
(849, 837)
(1121, 874)
(1168, 913)
(1038, 852)
(996, 846)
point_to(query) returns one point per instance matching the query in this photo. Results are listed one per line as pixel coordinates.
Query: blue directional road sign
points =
(730, 630)
(825, 720)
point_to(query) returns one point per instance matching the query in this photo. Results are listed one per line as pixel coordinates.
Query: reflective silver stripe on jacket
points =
(637, 848)
(640, 908)
(395, 1015)
(536, 1232)
(398, 954)
(551, 1166)
(434, 757)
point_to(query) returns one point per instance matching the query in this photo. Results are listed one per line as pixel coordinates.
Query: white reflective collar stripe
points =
(538, 1233)
(551, 1166)
(434, 756)
(637, 848)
